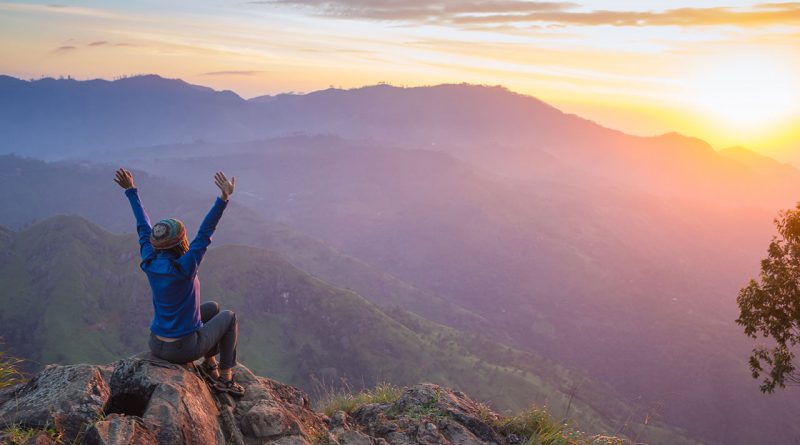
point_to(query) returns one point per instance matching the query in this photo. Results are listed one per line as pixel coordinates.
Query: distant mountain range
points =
(504, 132)
(471, 206)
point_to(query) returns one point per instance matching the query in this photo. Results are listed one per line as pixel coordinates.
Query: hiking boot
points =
(229, 386)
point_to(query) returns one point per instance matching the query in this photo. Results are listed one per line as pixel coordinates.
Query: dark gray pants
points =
(218, 335)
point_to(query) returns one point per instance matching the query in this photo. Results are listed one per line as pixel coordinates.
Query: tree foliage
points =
(770, 307)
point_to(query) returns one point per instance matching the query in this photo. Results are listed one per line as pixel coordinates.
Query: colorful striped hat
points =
(168, 233)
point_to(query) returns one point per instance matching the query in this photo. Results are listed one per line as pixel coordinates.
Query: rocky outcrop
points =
(426, 414)
(64, 398)
(146, 401)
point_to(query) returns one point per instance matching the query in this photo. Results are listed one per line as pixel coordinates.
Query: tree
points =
(770, 307)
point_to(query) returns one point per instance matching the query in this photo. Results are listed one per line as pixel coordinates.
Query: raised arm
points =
(190, 261)
(124, 179)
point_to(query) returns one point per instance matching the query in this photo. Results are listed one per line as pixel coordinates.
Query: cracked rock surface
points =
(143, 400)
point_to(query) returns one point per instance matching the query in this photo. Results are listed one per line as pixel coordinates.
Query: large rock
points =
(173, 402)
(271, 412)
(354, 438)
(66, 398)
(454, 405)
(143, 400)
(120, 430)
(427, 414)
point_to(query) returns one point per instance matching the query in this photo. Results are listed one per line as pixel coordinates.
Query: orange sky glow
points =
(726, 72)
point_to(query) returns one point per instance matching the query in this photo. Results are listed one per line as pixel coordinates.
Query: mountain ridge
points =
(155, 80)
(507, 133)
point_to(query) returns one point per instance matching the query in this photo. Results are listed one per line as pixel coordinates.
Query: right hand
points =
(225, 186)
(124, 179)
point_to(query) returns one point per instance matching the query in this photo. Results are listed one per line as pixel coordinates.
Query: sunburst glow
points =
(745, 93)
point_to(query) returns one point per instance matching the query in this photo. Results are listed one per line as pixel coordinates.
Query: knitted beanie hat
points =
(168, 233)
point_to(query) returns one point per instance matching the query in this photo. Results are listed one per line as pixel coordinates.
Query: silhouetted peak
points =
(676, 139)
(9, 80)
(752, 159)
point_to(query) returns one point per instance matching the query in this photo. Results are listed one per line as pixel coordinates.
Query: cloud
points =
(64, 49)
(99, 43)
(232, 73)
(416, 10)
(757, 16)
(59, 9)
(507, 12)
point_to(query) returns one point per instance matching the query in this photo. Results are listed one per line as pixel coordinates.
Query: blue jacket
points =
(173, 280)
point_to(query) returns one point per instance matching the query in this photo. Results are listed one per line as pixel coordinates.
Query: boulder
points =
(172, 401)
(427, 414)
(353, 438)
(270, 410)
(66, 398)
(428, 397)
(458, 434)
(289, 440)
(119, 430)
(266, 420)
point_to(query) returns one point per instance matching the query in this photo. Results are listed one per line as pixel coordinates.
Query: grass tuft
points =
(9, 371)
(534, 426)
(344, 400)
(18, 435)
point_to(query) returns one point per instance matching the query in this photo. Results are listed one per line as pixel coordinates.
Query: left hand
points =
(224, 185)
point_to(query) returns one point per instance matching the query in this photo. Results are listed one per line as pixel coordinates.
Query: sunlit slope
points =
(76, 294)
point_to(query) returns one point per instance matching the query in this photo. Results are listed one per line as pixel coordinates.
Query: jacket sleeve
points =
(142, 223)
(190, 261)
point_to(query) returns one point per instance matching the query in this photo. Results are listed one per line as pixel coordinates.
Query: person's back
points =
(183, 330)
(176, 297)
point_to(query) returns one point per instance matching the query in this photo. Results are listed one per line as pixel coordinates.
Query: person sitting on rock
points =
(183, 330)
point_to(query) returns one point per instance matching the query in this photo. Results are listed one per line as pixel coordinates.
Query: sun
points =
(745, 93)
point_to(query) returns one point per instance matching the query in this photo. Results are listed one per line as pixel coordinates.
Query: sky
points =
(724, 71)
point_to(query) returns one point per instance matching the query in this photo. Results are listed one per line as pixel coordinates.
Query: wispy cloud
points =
(232, 73)
(416, 10)
(59, 9)
(99, 43)
(64, 49)
(504, 12)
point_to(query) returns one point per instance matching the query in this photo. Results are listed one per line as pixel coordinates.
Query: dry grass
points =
(9, 371)
(342, 399)
(535, 427)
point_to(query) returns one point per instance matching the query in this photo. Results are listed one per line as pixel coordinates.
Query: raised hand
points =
(124, 178)
(224, 185)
